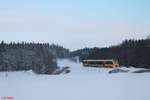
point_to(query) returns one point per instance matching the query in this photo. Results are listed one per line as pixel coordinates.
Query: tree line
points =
(39, 57)
(129, 53)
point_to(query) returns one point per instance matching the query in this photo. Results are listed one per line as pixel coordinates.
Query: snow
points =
(81, 84)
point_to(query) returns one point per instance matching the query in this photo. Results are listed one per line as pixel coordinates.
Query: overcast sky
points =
(74, 23)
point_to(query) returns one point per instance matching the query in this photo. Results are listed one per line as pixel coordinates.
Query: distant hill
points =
(59, 51)
(82, 53)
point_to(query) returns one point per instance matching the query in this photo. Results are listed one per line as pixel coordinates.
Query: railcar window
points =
(92, 62)
(108, 62)
(100, 63)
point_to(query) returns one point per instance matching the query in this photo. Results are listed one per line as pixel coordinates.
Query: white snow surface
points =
(81, 84)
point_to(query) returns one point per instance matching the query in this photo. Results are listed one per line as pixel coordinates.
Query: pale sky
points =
(74, 24)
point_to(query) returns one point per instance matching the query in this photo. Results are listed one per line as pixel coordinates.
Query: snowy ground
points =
(81, 84)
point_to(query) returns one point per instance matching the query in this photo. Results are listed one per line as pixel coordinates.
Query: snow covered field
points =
(81, 84)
